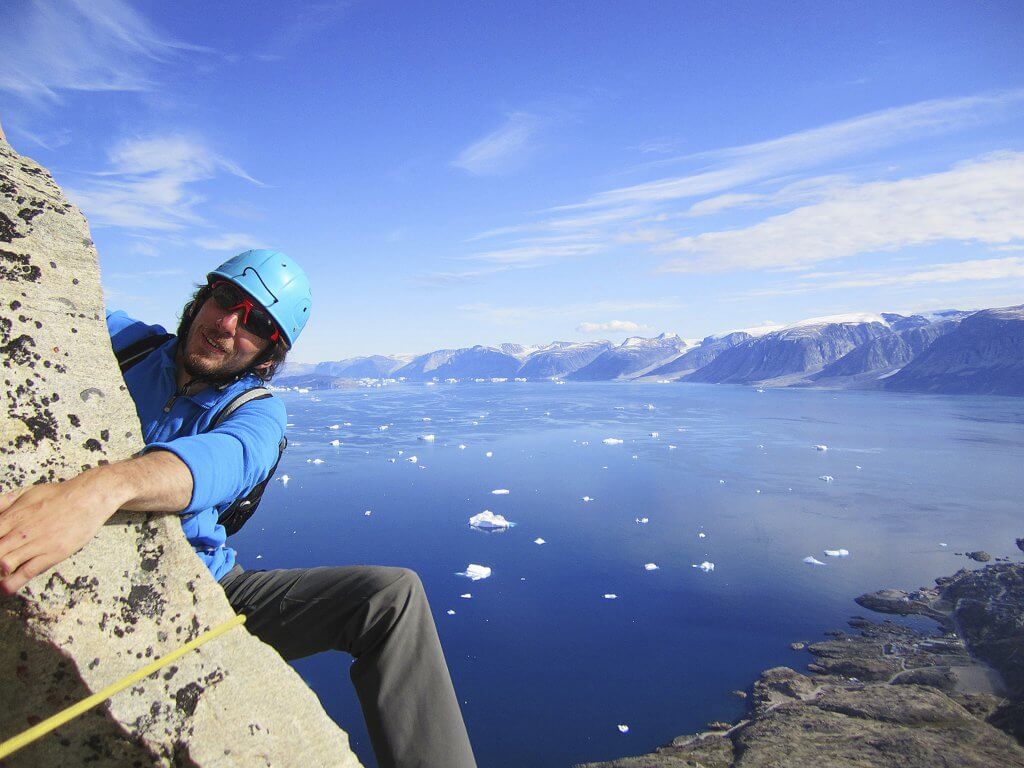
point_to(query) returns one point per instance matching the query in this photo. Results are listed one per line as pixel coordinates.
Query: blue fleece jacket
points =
(226, 462)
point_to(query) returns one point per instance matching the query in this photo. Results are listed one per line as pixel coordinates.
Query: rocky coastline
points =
(884, 694)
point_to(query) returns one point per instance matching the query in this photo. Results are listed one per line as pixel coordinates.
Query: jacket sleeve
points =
(125, 330)
(229, 461)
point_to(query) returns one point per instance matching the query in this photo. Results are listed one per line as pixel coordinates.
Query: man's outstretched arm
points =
(41, 525)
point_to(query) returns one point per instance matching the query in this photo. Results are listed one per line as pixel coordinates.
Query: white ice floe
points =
(702, 535)
(759, 391)
(610, 596)
(826, 478)
(314, 461)
(367, 513)
(428, 438)
(539, 541)
(654, 434)
(721, 482)
(259, 557)
(335, 442)
(488, 519)
(383, 428)
(412, 459)
(758, 490)
(623, 728)
(285, 479)
(650, 567)
(475, 572)
(649, 407)
(466, 596)
(450, 612)
(401, 452)
(857, 466)
(705, 566)
(489, 454)
(425, 418)
(587, 498)
(335, 426)
(612, 441)
(760, 446)
(462, 446)
(811, 560)
(635, 456)
(500, 492)
(943, 544)
(642, 520)
(346, 423)
(821, 447)
(671, 447)
(837, 552)
(391, 461)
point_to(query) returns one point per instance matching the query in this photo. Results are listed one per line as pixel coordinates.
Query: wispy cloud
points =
(230, 241)
(499, 151)
(612, 326)
(979, 201)
(449, 279)
(148, 183)
(515, 314)
(80, 45)
(1010, 268)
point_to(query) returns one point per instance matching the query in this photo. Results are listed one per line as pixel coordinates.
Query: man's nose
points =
(229, 320)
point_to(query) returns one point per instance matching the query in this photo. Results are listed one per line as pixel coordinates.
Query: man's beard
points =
(200, 370)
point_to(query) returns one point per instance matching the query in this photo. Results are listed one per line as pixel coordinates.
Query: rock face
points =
(696, 358)
(137, 591)
(984, 355)
(560, 358)
(478, 361)
(888, 695)
(635, 356)
(885, 354)
(372, 367)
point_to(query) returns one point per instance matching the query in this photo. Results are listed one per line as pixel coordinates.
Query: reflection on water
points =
(545, 666)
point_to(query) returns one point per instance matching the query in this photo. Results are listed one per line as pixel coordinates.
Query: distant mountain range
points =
(943, 352)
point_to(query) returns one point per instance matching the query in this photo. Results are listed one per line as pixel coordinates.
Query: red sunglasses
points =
(255, 319)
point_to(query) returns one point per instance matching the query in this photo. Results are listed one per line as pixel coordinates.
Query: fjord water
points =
(545, 666)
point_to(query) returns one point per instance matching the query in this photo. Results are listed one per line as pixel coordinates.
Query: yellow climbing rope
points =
(37, 731)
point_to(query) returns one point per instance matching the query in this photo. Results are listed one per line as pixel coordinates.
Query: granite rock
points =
(137, 591)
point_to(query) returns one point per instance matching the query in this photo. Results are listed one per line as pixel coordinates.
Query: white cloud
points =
(230, 241)
(613, 326)
(80, 45)
(498, 151)
(148, 184)
(519, 313)
(980, 201)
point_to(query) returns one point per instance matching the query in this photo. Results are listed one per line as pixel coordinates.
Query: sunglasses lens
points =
(255, 320)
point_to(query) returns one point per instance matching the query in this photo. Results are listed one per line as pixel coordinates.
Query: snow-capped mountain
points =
(478, 361)
(372, 367)
(697, 357)
(560, 358)
(633, 357)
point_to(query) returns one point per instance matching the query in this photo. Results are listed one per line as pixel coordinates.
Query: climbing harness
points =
(39, 730)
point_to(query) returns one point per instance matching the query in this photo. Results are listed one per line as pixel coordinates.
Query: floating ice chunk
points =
(585, 442)
(489, 454)
(837, 552)
(450, 612)
(721, 482)
(760, 446)
(759, 391)
(488, 519)
(650, 567)
(643, 520)
(811, 560)
(346, 423)
(303, 390)
(654, 434)
(401, 452)
(290, 424)
(821, 447)
(391, 461)
(612, 441)
(428, 438)
(705, 566)
(412, 459)
(383, 428)
(702, 535)
(649, 407)
(335, 442)
(623, 728)
(857, 466)
(314, 461)
(367, 513)
(475, 572)
(285, 479)
(466, 596)
(335, 426)
(587, 498)
(826, 478)
(943, 544)
(671, 447)
(610, 596)
(758, 490)
(635, 456)
(462, 446)
(425, 418)
(500, 492)
(539, 541)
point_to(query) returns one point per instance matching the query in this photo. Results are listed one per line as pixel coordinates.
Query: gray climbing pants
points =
(381, 617)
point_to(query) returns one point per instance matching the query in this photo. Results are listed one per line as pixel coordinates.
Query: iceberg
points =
(539, 541)
(412, 459)
(610, 596)
(705, 566)
(466, 596)
(284, 479)
(837, 552)
(642, 520)
(334, 426)
(811, 560)
(427, 438)
(489, 454)
(367, 513)
(702, 535)
(612, 441)
(671, 447)
(650, 567)
(314, 461)
(489, 520)
(587, 498)
(425, 418)
(475, 572)
(383, 428)
(450, 612)
(623, 728)
(654, 434)
(821, 447)
(826, 478)
(462, 446)
(335, 442)
(500, 492)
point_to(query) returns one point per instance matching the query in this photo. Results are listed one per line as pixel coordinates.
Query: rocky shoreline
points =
(885, 694)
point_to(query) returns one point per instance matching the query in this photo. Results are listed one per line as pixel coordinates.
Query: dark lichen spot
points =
(187, 698)
(75, 421)
(92, 444)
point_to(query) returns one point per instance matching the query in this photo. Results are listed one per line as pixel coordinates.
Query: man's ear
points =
(264, 367)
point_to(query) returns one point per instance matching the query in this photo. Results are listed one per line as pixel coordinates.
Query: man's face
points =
(218, 347)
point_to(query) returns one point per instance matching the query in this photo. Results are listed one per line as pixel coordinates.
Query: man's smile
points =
(214, 345)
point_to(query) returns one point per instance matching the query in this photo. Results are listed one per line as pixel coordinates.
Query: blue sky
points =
(460, 173)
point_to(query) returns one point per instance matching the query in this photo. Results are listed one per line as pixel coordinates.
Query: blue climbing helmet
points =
(276, 282)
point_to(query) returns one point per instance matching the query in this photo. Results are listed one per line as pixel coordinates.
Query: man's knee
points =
(404, 588)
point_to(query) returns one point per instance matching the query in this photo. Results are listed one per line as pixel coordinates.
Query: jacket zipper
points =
(181, 392)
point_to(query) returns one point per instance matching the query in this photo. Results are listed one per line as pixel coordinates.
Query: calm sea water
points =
(545, 666)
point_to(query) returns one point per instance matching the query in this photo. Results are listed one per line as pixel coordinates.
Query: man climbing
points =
(233, 334)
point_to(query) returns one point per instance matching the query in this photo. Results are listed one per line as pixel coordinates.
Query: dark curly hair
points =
(274, 354)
